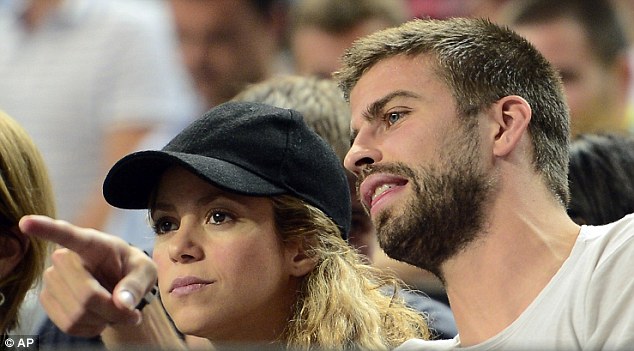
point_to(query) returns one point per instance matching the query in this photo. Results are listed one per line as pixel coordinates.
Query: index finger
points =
(57, 231)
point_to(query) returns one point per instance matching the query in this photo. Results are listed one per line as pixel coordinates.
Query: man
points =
(321, 30)
(586, 42)
(228, 44)
(460, 142)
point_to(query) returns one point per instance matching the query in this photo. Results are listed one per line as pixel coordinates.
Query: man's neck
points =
(492, 282)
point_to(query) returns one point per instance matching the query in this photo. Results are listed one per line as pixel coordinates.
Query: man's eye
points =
(393, 117)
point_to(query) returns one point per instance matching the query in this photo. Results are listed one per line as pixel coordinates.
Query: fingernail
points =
(139, 319)
(127, 299)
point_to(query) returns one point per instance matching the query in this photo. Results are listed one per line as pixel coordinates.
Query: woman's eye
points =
(219, 217)
(163, 226)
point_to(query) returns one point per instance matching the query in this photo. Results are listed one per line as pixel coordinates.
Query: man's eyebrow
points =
(375, 108)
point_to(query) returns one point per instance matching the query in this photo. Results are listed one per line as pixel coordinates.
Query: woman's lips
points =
(187, 285)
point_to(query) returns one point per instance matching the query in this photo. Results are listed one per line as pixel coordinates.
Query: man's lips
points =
(183, 285)
(377, 185)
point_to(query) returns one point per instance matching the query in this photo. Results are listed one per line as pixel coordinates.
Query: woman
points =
(251, 210)
(24, 189)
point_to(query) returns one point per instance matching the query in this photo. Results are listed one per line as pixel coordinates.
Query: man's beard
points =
(446, 212)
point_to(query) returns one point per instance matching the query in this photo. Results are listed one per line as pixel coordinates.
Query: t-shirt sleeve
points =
(610, 299)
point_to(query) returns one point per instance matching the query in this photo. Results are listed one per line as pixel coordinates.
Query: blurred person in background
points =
(601, 178)
(227, 44)
(625, 11)
(321, 30)
(490, 9)
(586, 42)
(88, 80)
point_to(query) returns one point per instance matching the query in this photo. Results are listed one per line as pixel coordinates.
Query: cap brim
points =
(131, 181)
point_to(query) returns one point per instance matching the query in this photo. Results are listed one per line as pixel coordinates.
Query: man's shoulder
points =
(604, 252)
(610, 239)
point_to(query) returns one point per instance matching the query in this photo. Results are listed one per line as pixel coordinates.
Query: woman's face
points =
(223, 272)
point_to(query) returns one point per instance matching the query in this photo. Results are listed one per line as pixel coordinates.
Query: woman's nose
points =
(184, 246)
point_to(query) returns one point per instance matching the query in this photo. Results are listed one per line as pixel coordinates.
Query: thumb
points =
(139, 280)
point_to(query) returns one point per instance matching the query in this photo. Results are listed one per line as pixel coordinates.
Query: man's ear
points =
(299, 262)
(13, 247)
(509, 117)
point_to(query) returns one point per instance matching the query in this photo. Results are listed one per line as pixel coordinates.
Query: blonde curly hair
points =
(343, 303)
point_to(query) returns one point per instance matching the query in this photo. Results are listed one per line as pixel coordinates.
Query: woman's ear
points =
(299, 262)
(509, 117)
(13, 246)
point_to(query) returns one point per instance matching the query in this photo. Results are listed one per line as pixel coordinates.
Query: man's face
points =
(595, 92)
(225, 45)
(317, 52)
(420, 168)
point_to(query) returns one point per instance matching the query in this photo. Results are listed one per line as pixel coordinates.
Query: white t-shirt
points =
(588, 304)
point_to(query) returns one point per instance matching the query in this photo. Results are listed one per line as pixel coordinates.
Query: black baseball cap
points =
(243, 147)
